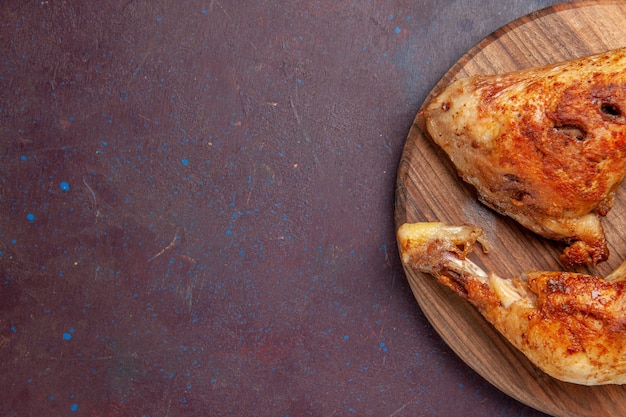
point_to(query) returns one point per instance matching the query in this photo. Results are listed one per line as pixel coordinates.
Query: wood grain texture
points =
(428, 189)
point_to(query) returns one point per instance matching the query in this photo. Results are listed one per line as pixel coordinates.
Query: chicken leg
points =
(570, 325)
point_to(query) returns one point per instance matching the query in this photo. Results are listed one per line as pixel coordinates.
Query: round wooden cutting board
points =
(428, 189)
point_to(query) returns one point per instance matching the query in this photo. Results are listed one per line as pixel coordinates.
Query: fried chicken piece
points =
(570, 325)
(545, 146)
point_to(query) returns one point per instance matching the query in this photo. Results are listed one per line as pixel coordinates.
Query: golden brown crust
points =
(546, 146)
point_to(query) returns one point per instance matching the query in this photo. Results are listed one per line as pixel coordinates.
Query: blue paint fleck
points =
(64, 186)
(346, 337)
(159, 20)
(67, 336)
(74, 407)
(203, 11)
(30, 217)
(14, 329)
(185, 162)
(398, 30)
(23, 158)
(51, 398)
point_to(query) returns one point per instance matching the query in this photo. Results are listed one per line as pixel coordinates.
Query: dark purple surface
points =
(197, 208)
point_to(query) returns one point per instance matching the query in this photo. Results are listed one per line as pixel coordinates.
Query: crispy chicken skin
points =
(545, 146)
(570, 325)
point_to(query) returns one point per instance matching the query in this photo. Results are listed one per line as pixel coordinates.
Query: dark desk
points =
(197, 208)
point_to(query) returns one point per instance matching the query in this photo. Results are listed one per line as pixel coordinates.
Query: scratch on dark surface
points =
(34, 297)
(400, 409)
(299, 120)
(295, 112)
(168, 247)
(144, 117)
(191, 296)
(94, 201)
(221, 7)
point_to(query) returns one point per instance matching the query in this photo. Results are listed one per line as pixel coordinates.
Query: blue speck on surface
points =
(67, 336)
(185, 162)
(346, 337)
(398, 30)
(23, 158)
(30, 217)
(74, 407)
(159, 20)
(203, 11)
(65, 186)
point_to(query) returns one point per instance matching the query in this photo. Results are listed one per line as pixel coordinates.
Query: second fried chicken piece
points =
(570, 325)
